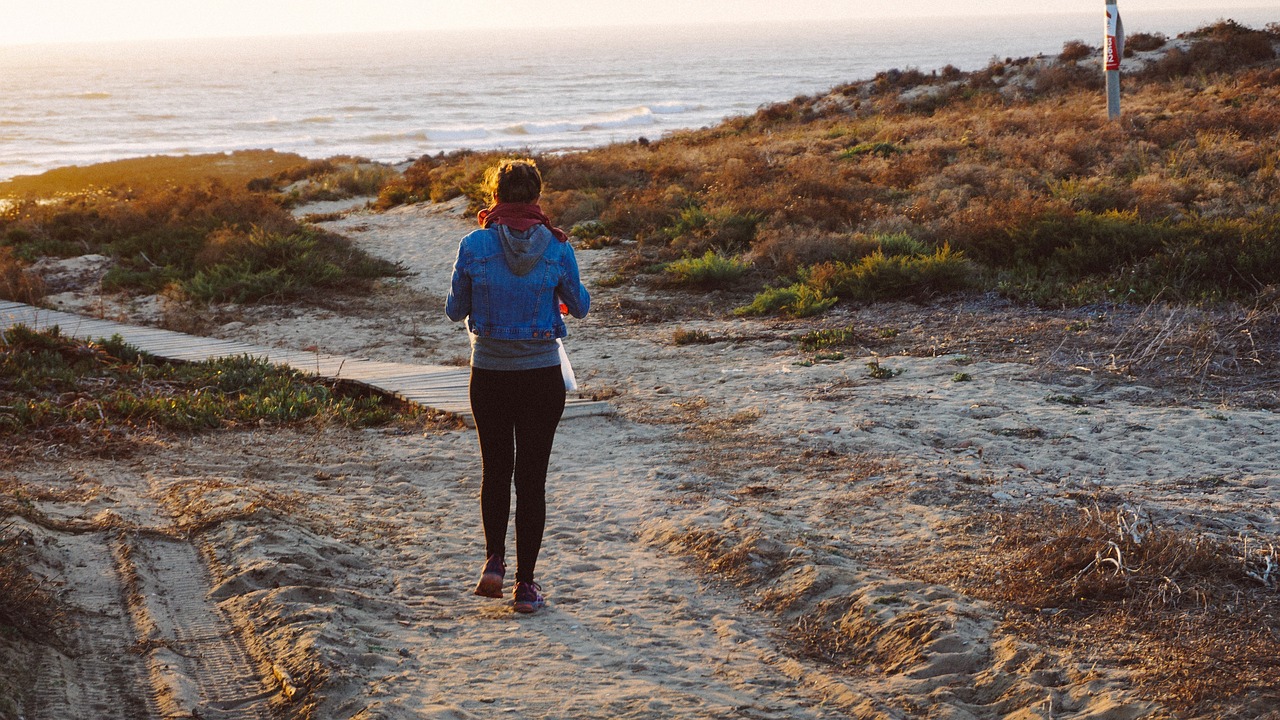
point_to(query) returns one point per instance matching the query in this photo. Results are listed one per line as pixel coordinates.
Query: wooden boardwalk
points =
(440, 387)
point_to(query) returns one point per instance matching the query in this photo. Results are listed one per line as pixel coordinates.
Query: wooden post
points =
(1112, 51)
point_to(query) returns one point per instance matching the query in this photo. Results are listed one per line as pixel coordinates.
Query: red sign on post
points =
(1115, 38)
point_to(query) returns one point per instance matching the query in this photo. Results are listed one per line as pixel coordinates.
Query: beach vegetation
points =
(1008, 179)
(1204, 607)
(29, 606)
(880, 372)
(828, 338)
(1222, 47)
(1075, 51)
(337, 178)
(95, 397)
(879, 149)
(1143, 42)
(442, 178)
(17, 281)
(205, 243)
(684, 336)
(238, 168)
(711, 269)
(797, 300)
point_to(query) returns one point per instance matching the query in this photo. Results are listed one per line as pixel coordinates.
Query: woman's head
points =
(513, 181)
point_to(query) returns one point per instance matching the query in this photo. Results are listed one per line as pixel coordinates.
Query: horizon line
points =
(1222, 14)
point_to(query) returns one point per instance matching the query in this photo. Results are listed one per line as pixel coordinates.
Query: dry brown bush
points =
(1144, 42)
(1074, 50)
(28, 605)
(981, 168)
(17, 283)
(1195, 616)
(788, 248)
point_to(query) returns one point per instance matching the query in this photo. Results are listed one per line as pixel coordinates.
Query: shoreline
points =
(293, 120)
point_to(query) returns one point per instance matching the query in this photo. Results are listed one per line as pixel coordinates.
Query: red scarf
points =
(520, 217)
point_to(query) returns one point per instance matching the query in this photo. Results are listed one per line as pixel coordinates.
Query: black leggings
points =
(516, 415)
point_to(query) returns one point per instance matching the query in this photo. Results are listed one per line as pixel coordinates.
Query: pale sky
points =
(30, 21)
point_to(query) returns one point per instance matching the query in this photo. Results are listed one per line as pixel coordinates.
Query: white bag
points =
(566, 369)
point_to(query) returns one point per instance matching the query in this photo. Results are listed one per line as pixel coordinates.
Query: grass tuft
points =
(1194, 616)
(28, 606)
(713, 269)
(799, 300)
(95, 396)
(206, 243)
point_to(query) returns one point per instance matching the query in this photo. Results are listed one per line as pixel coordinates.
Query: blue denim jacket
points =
(499, 304)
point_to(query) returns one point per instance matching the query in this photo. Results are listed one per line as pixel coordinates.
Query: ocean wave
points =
(394, 137)
(319, 120)
(675, 108)
(90, 96)
(632, 117)
(453, 135)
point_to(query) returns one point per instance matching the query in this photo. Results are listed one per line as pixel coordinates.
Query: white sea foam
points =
(397, 96)
(456, 135)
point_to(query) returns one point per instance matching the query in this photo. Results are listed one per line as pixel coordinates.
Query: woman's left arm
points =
(570, 290)
(458, 305)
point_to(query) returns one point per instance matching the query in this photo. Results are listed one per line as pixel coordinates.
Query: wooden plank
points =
(442, 387)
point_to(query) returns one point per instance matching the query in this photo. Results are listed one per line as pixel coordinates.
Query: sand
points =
(740, 496)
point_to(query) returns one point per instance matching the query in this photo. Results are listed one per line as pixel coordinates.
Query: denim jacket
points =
(499, 303)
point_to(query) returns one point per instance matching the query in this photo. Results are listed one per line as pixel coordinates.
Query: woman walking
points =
(510, 281)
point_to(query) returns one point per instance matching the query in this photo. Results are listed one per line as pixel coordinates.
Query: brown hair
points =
(513, 181)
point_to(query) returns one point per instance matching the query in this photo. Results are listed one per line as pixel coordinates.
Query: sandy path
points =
(363, 559)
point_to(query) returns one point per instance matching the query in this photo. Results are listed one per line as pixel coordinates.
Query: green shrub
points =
(211, 242)
(1086, 243)
(711, 269)
(880, 372)
(880, 277)
(881, 149)
(1117, 257)
(81, 392)
(901, 244)
(695, 229)
(798, 300)
(827, 338)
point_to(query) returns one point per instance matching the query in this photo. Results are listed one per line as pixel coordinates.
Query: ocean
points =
(394, 97)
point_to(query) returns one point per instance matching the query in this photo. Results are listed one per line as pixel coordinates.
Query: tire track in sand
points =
(95, 676)
(144, 638)
(198, 663)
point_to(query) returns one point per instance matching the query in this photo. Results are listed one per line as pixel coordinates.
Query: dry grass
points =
(210, 242)
(1015, 167)
(17, 282)
(1197, 618)
(1196, 346)
(28, 606)
(236, 169)
(1228, 354)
